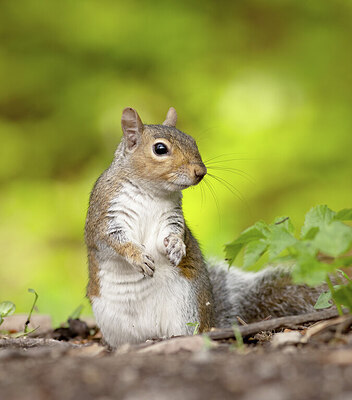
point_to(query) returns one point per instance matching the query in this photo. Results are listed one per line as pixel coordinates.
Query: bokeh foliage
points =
(268, 80)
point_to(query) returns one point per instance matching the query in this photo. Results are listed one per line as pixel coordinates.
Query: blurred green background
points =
(265, 85)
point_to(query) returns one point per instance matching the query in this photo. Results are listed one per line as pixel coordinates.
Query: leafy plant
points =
(6, 308)
(32, 308)
(76, 312)
(196, 327)
(319, 251)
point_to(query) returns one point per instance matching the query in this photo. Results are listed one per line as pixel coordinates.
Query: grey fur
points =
(255, 296)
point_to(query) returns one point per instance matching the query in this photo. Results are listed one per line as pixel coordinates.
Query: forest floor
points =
(305, 361)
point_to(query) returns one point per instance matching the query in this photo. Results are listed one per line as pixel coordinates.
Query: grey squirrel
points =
(147, 275)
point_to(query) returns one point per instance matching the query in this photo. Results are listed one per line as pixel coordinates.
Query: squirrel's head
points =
(161, 154)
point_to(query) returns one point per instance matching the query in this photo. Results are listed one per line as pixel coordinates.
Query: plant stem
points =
(238, 336)
(30, 313)
(332, 290)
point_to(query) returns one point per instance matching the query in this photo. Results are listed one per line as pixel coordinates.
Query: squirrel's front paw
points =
(175, 249)
(147, 265)
(143, 262)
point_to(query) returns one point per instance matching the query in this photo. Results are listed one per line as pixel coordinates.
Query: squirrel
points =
(147, 274)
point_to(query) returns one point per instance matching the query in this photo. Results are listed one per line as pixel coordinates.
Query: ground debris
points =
(187, 343)
(88, 351)
(26, 343)
(183, 375)
(40, 324)
(188, 368)
(271, 324)
(33, 348)
(325, 331)
(286, 338)
(322, 332)
(340, 357)
(76, 328)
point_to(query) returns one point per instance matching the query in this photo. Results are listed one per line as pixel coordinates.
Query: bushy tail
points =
(255, 296)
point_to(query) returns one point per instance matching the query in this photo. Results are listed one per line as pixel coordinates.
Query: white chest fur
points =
(132, 308)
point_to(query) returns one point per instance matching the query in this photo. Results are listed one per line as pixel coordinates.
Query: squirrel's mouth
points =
(183, 181)
(181, 186)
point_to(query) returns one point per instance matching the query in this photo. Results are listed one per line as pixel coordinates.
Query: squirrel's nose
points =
(200, 171)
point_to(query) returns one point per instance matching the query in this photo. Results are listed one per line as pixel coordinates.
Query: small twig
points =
(240, 320)
(283, 322)
(282, 221)
(340, 324)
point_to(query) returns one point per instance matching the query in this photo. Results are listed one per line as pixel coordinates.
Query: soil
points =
(268, 366)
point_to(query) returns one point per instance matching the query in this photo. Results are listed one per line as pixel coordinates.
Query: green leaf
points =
(258, 231)
(77, 312)
(253, 252)
(343, 273)
(303, 247)
(334, 239)
(196, 327)
(324, 301)
(310, 235)
(317, 217)
(344, 215)
(279, 240)
(262, 227)
(7, 308)
(285, 222)
(231, 252)
(343, 296)
(288, 259)
(309, 270)
(342, 262)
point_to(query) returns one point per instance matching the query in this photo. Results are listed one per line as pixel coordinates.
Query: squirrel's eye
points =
(160, 149)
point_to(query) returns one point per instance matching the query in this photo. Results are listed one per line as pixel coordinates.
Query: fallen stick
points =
(283, 322)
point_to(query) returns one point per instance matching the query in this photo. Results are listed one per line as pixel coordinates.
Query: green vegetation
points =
(239, 345)
(317, 254)
(195, 325)
(31, 310)
(6, 308)
(267, 80)
(76, 312)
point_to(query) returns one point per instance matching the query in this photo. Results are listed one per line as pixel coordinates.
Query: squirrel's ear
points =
(171, 117)
(132, 127)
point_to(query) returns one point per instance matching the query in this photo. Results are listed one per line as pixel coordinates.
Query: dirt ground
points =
(270, 366)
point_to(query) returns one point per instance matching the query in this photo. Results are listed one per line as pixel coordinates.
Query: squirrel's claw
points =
(147, 266)
(175, 249)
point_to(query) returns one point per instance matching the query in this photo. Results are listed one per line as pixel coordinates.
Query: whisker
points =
(236, 171)
(228, 186)
(213, 193)
(229, 160)
(224, 155)
(201, 193)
